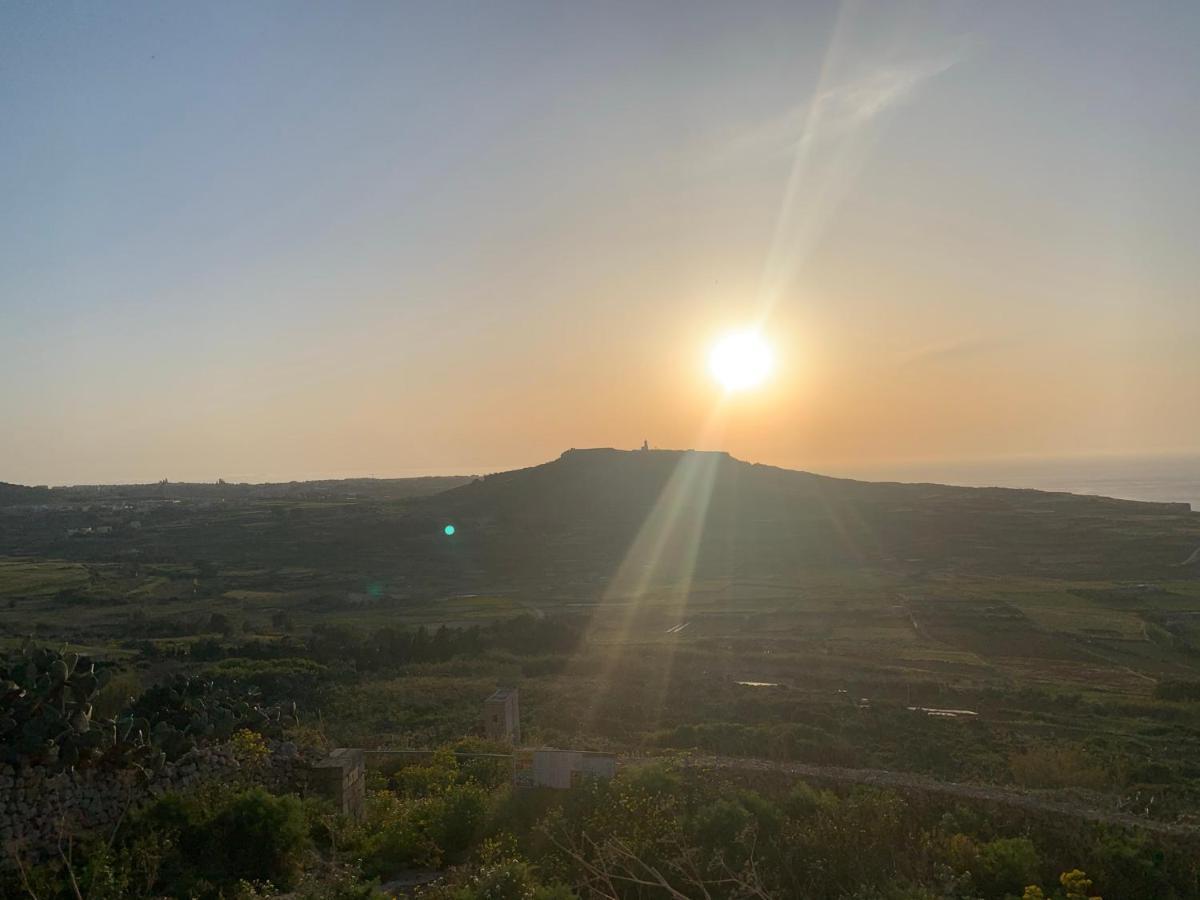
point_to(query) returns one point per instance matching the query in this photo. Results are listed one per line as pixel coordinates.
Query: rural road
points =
(1018, 798)
(905, 781)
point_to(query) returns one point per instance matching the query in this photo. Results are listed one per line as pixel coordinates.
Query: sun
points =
(740, 360)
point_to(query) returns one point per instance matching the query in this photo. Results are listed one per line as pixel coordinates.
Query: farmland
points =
(796, 620)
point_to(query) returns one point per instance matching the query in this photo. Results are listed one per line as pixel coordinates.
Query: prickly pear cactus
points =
(46, 698)
(46, 715)
(189, 710)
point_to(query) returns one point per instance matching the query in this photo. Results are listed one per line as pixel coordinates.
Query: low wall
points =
(39, 807)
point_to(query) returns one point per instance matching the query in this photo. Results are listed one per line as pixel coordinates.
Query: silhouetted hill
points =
(727, 516)
(626, 484)
(327, 489)
(11, 494)
(595, 518)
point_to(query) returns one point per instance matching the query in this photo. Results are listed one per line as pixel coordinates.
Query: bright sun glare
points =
(740, 360)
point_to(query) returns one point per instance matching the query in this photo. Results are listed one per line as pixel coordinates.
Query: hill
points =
(13, 494)
(584, 519)
(732, 517)
(326, 489)
(592, 526)
(665, 599)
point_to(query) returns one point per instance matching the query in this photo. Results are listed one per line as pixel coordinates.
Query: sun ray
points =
(661, 558)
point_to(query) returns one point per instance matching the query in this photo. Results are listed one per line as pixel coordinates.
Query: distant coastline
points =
(1174, 479)
(1156, 478)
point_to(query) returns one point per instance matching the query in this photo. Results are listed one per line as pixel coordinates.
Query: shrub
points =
(260, 837)
(459, 814)
(1077, 885)
(656, 778)
(249, 748)
(116, 695)
(501, 875)
(1006, 865)
(490, 772)
(209, 843)
(508, 880)
(425, 831)
(339, 882)
(718, 825)
(283, 681)
(804, 800)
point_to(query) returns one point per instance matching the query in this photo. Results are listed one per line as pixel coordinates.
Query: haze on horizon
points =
(281, 241)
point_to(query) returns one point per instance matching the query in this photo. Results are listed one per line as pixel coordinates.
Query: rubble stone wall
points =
(38, 807)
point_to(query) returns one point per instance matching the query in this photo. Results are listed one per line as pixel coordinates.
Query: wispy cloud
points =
(855, 103)
(956, 350)
(832, 113)
(828, 138)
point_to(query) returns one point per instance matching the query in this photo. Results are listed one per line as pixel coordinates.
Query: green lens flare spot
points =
(449, 530)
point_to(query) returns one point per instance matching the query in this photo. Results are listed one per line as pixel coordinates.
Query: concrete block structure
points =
(502, 717)
(342, 778)
(560, 769)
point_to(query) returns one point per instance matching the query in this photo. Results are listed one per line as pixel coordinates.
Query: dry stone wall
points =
(38, 807)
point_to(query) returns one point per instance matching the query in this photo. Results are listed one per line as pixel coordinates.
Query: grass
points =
(1042, 639)
(37, 578)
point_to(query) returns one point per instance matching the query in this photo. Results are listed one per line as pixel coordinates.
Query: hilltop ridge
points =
(592, 503)
(579, 517)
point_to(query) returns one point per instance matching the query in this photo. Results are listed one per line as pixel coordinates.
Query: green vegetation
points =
(1038, 643)
(660, 830)
(206, 844)
(48, 718)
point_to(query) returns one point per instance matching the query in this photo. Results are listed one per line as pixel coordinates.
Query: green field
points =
(850, 609)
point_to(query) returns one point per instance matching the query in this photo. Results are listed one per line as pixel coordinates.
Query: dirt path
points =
(920, 631)
(904, 781)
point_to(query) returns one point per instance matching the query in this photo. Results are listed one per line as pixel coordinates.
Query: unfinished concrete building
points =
(342, 778)
(502, 717)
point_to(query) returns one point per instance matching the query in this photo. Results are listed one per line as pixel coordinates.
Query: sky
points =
(278, 241)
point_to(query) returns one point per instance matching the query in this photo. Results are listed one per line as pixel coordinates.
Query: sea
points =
(1173, 478)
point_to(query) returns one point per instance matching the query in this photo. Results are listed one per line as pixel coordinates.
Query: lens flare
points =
(740, 360)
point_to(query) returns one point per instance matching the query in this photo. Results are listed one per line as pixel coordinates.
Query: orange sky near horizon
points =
(317, 244)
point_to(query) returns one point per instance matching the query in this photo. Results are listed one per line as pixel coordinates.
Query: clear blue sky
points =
(278, 240)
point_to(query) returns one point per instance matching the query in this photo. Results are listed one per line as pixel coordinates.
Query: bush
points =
(717, 826)
(259, 837)
(508, 880)
(501, 875)
(1007, 865)
(208, 844)
(283, 681)
(218, 838)
(489, 772)
(423, 832)
(458, 815)
(116, 695)
(804, 800)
